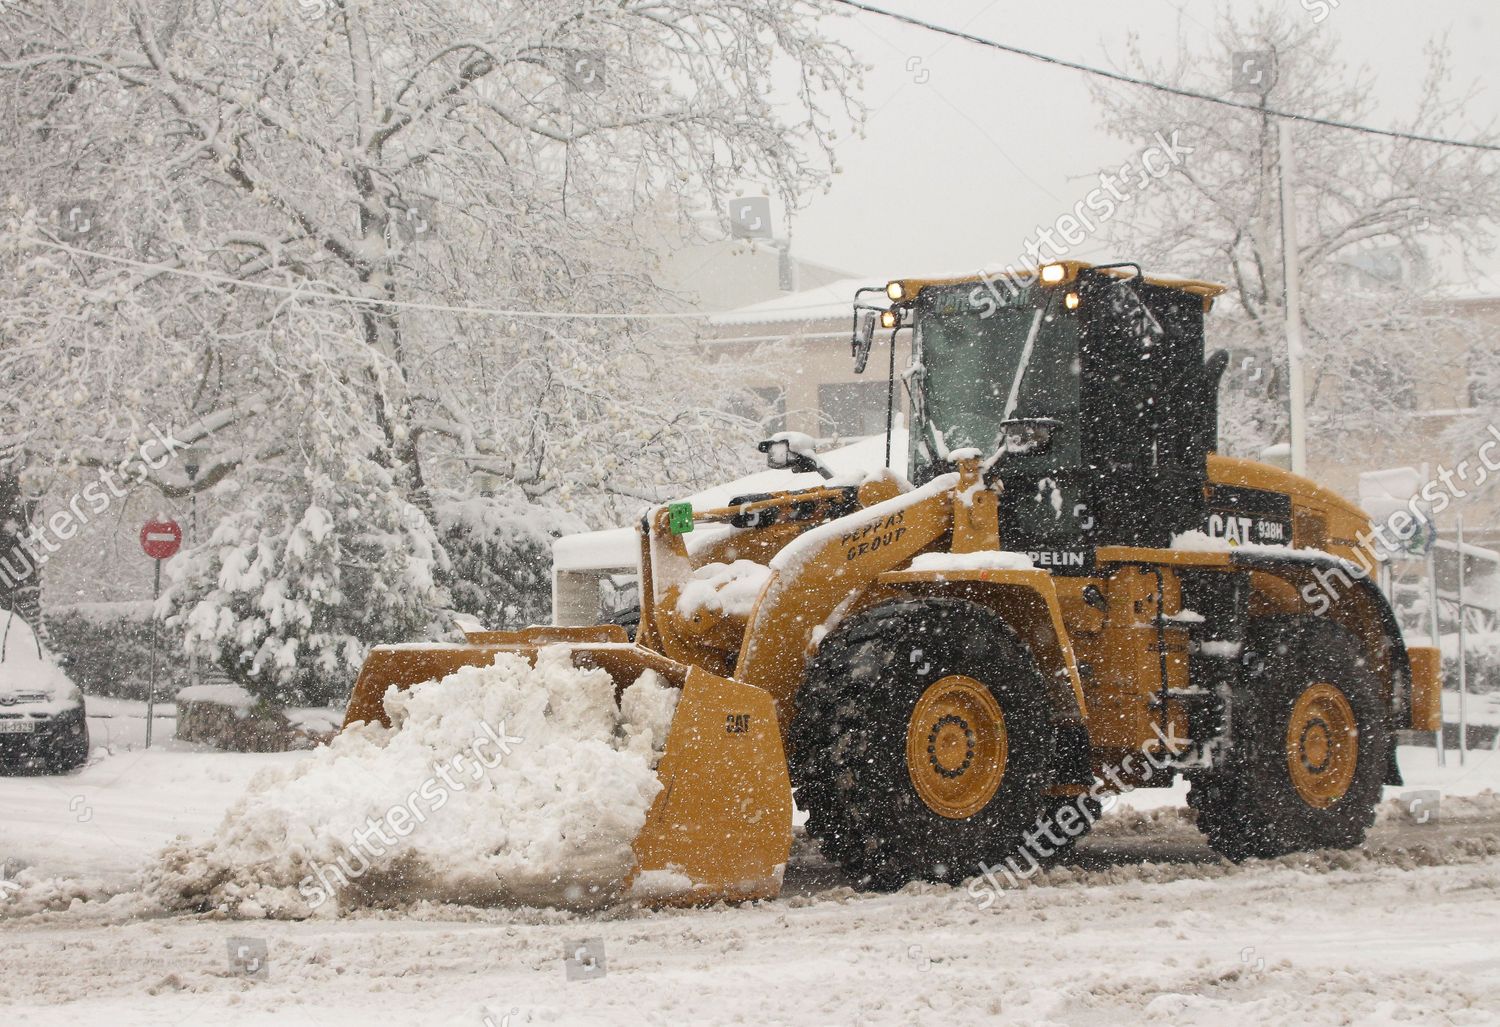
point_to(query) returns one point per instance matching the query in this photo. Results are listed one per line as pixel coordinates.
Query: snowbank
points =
(233, 696)
(500, 784)
(1196, 541)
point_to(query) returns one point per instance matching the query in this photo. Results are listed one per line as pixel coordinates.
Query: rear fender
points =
(1328, 586)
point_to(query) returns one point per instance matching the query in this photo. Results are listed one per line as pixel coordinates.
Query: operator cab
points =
(1087, 384)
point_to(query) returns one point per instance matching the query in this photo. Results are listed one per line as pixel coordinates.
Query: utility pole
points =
(1292, 284)
(1463, 666)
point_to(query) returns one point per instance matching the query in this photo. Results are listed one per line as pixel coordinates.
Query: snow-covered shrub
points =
(500, 557)
(1482, 668)
(106, 649)
(289, 592)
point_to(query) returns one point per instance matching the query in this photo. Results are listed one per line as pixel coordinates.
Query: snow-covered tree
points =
(260, 222)
(1371, 212)
(289, 592)
(501, 559)
(436, 152)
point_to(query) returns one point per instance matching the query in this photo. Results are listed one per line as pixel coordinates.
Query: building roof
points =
(823, 303)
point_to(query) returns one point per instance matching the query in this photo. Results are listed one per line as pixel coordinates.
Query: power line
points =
(1161, 87)
(339, 297)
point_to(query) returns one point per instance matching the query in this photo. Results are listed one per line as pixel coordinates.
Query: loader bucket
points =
(721, 826)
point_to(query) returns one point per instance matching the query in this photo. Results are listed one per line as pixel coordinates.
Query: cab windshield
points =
(983, 356)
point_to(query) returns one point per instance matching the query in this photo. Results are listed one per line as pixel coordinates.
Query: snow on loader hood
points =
(507, 784)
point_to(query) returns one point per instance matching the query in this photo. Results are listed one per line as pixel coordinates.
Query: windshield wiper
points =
(1015, 385)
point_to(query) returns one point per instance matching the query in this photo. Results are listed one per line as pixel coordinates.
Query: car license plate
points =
(16, 727)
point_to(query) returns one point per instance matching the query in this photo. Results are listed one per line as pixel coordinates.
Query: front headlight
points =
(895, 290)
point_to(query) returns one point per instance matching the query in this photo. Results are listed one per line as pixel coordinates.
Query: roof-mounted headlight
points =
(895, 290)
(1054, 274)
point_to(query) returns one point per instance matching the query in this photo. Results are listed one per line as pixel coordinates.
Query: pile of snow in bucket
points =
(502, 784)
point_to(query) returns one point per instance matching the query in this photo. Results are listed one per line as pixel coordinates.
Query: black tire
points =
(1080, 824)
(1248, 805)
(849, 743)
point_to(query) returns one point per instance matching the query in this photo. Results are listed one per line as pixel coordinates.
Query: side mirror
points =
(863, 339)
(793, 451)
(778, 453)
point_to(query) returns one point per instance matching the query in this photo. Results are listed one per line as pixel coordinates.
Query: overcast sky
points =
(967, 149)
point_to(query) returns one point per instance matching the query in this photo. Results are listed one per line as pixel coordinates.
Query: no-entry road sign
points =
(161, 539)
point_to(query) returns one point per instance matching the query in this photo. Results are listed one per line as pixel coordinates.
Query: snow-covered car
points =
(42, 715)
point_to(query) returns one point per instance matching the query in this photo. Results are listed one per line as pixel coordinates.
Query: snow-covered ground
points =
(1479, 707)
(1148, 926)
(1265, 945)
(120, 725)
(107, 819)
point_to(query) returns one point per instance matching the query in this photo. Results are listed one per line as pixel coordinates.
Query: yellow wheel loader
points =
(1073, 595)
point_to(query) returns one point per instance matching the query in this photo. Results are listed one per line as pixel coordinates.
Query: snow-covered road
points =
(1196, 944)
(1147, 926)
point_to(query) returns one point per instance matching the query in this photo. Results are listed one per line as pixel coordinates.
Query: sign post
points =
(160, 539)
(1437, 640)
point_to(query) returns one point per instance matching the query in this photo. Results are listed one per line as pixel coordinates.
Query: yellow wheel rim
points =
(1322, 745)
(956, 747)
